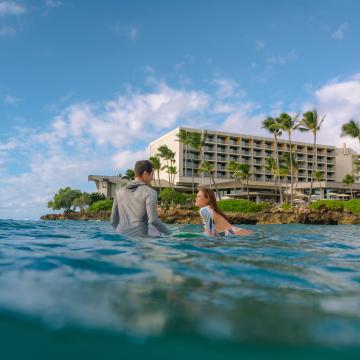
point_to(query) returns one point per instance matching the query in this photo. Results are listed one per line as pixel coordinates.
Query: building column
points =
(322, 193)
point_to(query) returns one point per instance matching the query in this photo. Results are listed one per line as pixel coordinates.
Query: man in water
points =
(135, 206)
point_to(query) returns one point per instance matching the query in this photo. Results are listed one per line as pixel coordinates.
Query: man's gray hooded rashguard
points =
(134, 208)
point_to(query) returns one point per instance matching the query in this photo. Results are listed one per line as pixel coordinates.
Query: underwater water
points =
(75, 289)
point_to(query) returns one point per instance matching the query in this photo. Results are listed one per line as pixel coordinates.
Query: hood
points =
(133, 185)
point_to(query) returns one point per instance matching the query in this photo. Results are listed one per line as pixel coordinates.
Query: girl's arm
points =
(209, 227)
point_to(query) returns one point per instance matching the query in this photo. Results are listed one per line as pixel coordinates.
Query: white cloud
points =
(244, 118)
(11, 100)
(340, 32)
(6, 31)
(126, 159)
(85, 139)
(187, 60)
(53, 3)
(282, 59)
(11, 8)
(133, 33)
(227, 88)
(259, 45)
(340, 102)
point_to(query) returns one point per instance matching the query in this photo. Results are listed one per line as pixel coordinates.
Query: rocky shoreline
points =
(274, 216)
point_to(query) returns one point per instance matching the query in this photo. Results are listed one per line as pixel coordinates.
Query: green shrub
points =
(243, 206)
(285, 206)
(327, 204)
(352, 206)
(167, 196)
(101, 205)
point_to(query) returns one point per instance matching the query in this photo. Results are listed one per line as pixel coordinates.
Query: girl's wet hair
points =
(210, 195)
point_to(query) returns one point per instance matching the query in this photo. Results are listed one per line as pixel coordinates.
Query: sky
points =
(85, 85)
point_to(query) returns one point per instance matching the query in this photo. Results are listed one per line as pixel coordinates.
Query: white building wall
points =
(170, 139)
(345, 158)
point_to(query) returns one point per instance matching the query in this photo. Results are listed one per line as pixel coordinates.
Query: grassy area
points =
(352, 206)
(101, 205)
(243, 206)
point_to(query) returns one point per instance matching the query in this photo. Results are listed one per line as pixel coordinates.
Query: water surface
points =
(75, 289)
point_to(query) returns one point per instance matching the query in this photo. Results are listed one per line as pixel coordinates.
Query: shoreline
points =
(276, 216)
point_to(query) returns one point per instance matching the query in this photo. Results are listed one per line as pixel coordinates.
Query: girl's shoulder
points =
(206, 210)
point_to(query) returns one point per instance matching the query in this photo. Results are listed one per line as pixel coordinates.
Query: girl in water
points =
(216, 223)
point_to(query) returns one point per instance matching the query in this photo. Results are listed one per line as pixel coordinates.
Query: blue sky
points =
(86, 85)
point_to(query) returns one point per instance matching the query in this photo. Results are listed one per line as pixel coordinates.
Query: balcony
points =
(209, 148)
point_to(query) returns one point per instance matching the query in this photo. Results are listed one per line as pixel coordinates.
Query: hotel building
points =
(221, 147)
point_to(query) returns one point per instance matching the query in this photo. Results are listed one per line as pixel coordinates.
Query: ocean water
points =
(76, 290)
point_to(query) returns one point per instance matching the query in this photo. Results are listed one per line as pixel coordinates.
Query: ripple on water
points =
(288, 284)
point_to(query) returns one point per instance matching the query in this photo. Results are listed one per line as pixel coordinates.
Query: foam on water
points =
(288, 287)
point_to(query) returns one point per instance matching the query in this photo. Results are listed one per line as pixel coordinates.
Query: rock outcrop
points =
(274, 216)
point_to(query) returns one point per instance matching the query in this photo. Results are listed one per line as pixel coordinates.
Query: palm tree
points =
(233, 167)
(172, 171)
(311, 122)
(319, 176)
(273, 126)
(289, 124)
(197, 141)
(286, 162)
(244, 173)
(129, 174)
(184, 137)
(272, 167)
(349, 180)
(167, 154)
(283, 172)
(352, 129)
(207, 167)
(156, 164)
(357, 165)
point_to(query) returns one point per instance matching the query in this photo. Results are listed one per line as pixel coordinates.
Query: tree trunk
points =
(216, 188)
(313, 166)
(192, 176)
(291, 173)
(277, 167)
(158, 174)
(247, 188)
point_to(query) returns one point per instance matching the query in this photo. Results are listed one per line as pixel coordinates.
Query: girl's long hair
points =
(209, 194)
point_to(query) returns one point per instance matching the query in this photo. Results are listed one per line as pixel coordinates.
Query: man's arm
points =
(115, 218)
(151, 209)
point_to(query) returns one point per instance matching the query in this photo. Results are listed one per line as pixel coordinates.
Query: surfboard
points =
(188, 235)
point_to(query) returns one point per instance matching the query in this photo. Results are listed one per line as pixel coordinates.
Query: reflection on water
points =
(288, 287)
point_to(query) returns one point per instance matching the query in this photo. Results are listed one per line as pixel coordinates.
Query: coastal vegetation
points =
(242, 206)
(351, 206)
(69, 199)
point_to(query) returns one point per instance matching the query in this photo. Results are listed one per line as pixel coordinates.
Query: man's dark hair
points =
(141, 166)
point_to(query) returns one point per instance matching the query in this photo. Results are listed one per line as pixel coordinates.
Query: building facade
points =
(222, 147)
